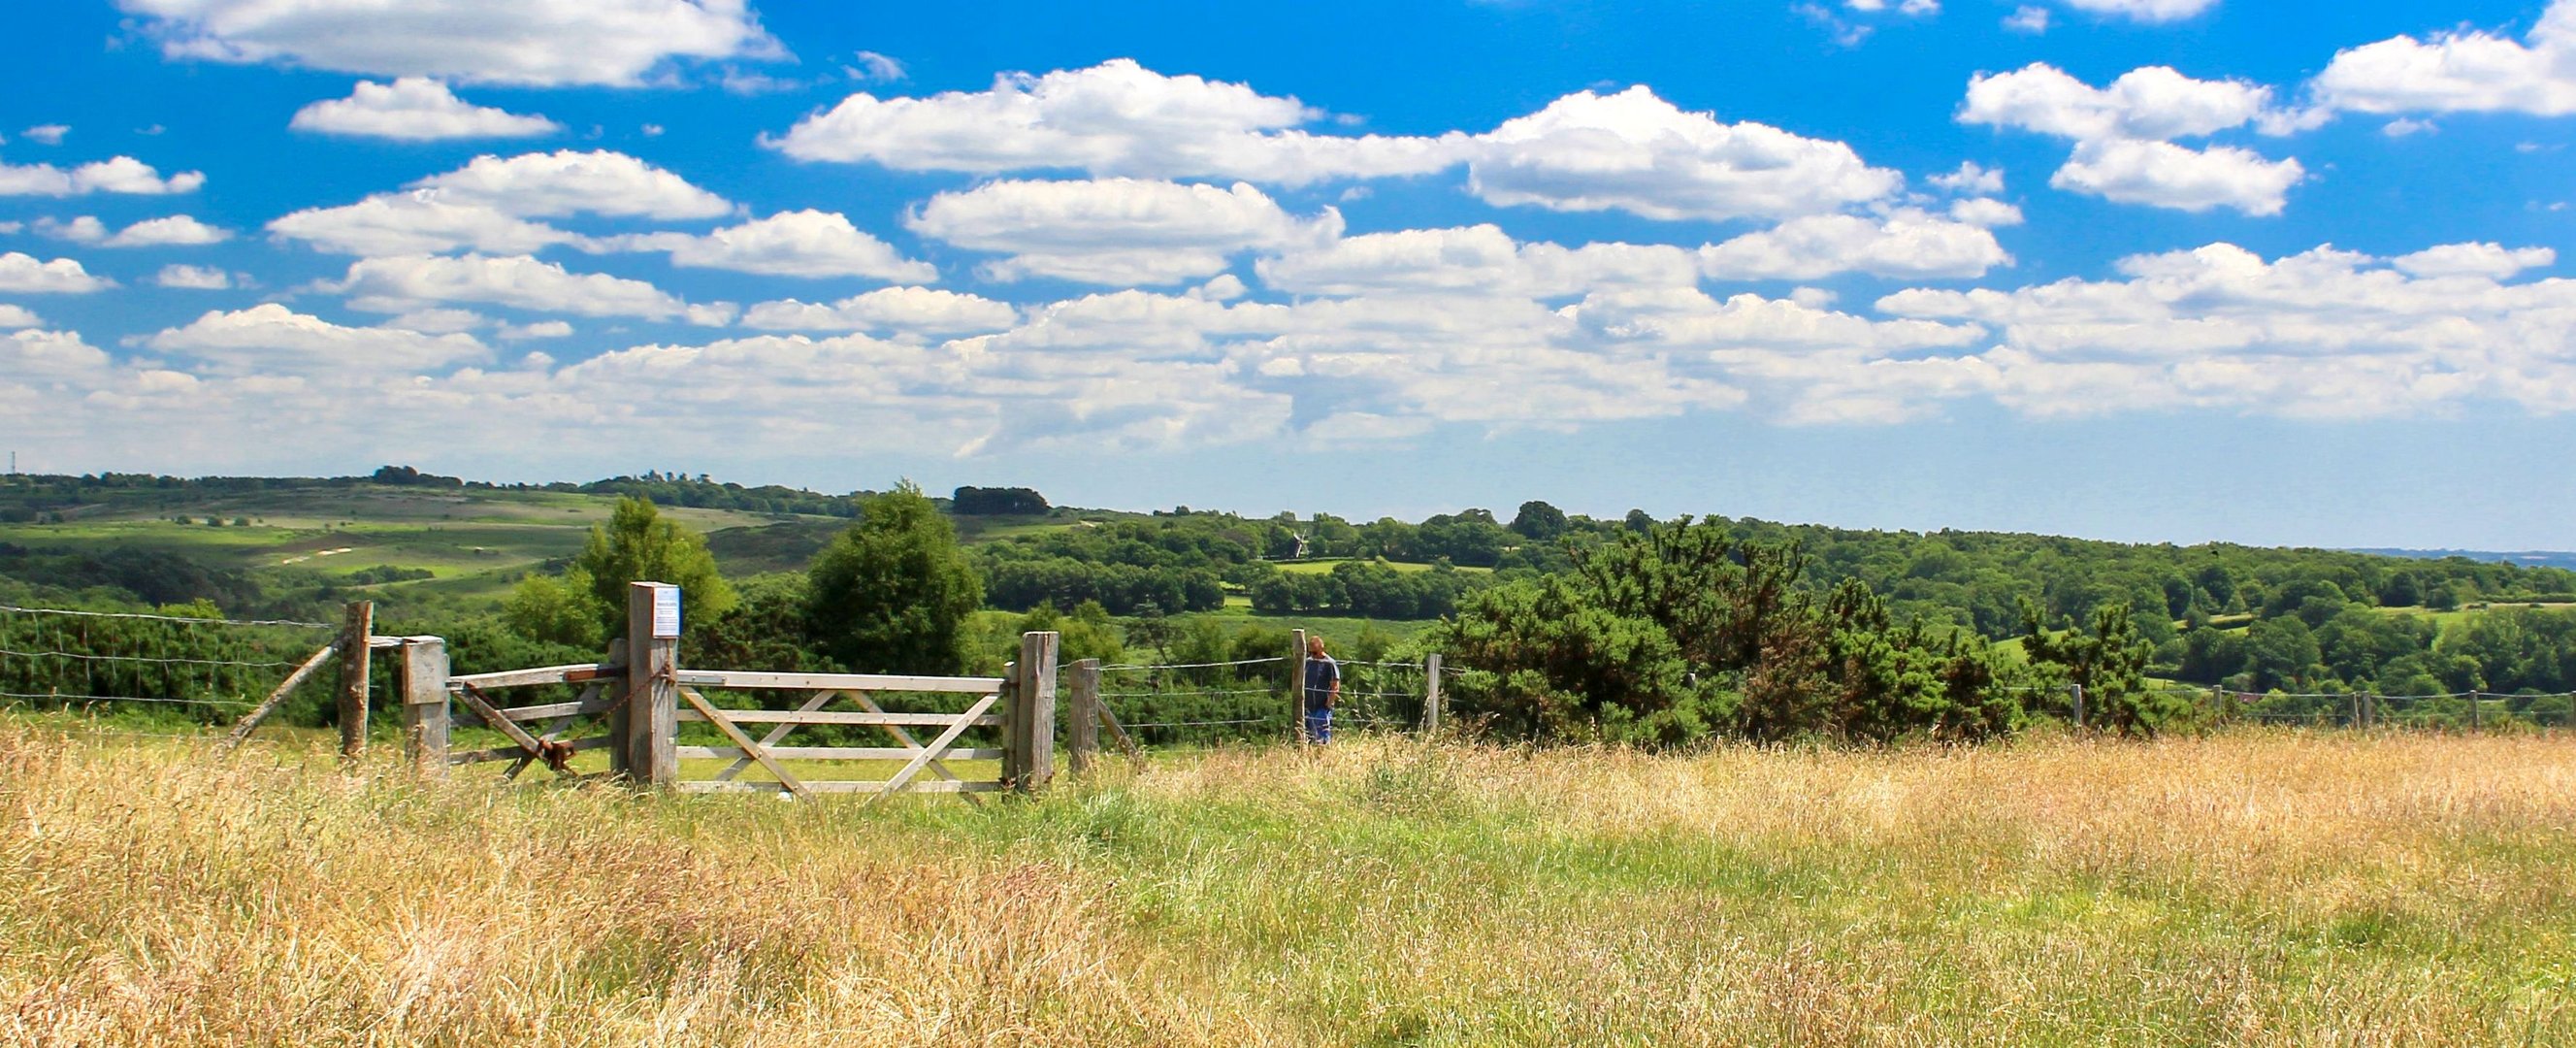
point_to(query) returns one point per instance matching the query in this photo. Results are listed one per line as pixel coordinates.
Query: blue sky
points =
(2135, 269)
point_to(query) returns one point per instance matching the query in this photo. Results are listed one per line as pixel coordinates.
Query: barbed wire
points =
(144, 658)
(1203, 723)
(61, 697)
(1124, 667)
(1186, 693)
(169, 618)
(89, 727)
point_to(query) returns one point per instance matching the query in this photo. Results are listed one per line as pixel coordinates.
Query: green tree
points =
(1682, 631)
(1538, 521)
(1084, 633)
(2108, 658)
(1549, 663)
(891, 593)
(638, 545)
(764, 631)
(2280, 652)
(555, 610)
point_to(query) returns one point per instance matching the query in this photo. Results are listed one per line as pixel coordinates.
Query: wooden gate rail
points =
(599, 695)
(827, 687)
(646, 696)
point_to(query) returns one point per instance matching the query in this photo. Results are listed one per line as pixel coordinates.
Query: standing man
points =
(1323, 688)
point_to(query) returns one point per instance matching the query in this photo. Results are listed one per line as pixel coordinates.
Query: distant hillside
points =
(2526, 558)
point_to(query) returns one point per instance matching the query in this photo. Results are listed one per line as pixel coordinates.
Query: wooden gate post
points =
(1028, 733)
(1082, 721)
(424, 691)
(2078, 690)
(647, 724)
(1431, 693)
(1297, 683)
(355, 629)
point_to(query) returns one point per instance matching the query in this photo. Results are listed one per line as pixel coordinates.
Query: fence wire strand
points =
(169, 618)
(145, 658)
(67, 697)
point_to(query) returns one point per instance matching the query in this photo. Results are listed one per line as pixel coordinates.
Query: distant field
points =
(1326, 565)
(473, 543)
(2255, 888)
(476, 544)
(2447, 619)
(1339, 632)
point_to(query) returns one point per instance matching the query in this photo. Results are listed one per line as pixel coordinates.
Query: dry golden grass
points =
(2262, 888)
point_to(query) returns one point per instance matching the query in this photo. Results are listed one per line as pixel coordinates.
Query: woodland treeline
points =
(1569, 626)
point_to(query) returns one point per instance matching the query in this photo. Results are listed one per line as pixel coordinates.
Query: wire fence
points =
(208, 669)
(2349, 709)
(1253, 699)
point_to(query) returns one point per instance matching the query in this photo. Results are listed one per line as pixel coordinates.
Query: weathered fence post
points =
(1082, 722)
(356, 629)
(1431, 693)
(1297, 682)
(424, 691)
(2475, 718)
(2078, 690)
(647, 724)
(1028, 732)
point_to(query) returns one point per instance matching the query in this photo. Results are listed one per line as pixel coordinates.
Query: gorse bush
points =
(1671, 633)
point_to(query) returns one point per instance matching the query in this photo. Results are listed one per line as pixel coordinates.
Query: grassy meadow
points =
(2243, 888)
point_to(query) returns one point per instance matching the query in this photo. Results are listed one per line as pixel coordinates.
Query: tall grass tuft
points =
(2269, 887)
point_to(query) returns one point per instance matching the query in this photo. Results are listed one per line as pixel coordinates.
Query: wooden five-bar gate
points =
(641, 695)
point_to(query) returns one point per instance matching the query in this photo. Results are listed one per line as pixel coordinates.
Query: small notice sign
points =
(666, 613)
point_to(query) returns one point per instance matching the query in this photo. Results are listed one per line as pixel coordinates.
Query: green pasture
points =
(1325, 565)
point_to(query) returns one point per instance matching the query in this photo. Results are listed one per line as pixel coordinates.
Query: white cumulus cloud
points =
(1907, 244)
(804, 243)
(2468, 70)
(917, 310)
(1971, 178)
(2325, 333)
(2494, 261)
(86, 229)
(1635, 152)
(533, 42)
(193, 278)
(14, 317)
(1115, 231)
(2154, 102)
(1116, 118)
(418, 222)
(490, 205)
(2149, 11)
(23, 273)
(566, 182)
(2163, 174)
(122, 174)
(1628, 151)
(273, 338)
(403, 284)
(414, 109)
(2122, 134)
(1471, 260)
(168, 231)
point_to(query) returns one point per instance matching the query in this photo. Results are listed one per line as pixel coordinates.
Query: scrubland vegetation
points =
(2244, 888)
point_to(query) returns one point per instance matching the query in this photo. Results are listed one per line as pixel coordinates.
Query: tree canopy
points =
(891, 594)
